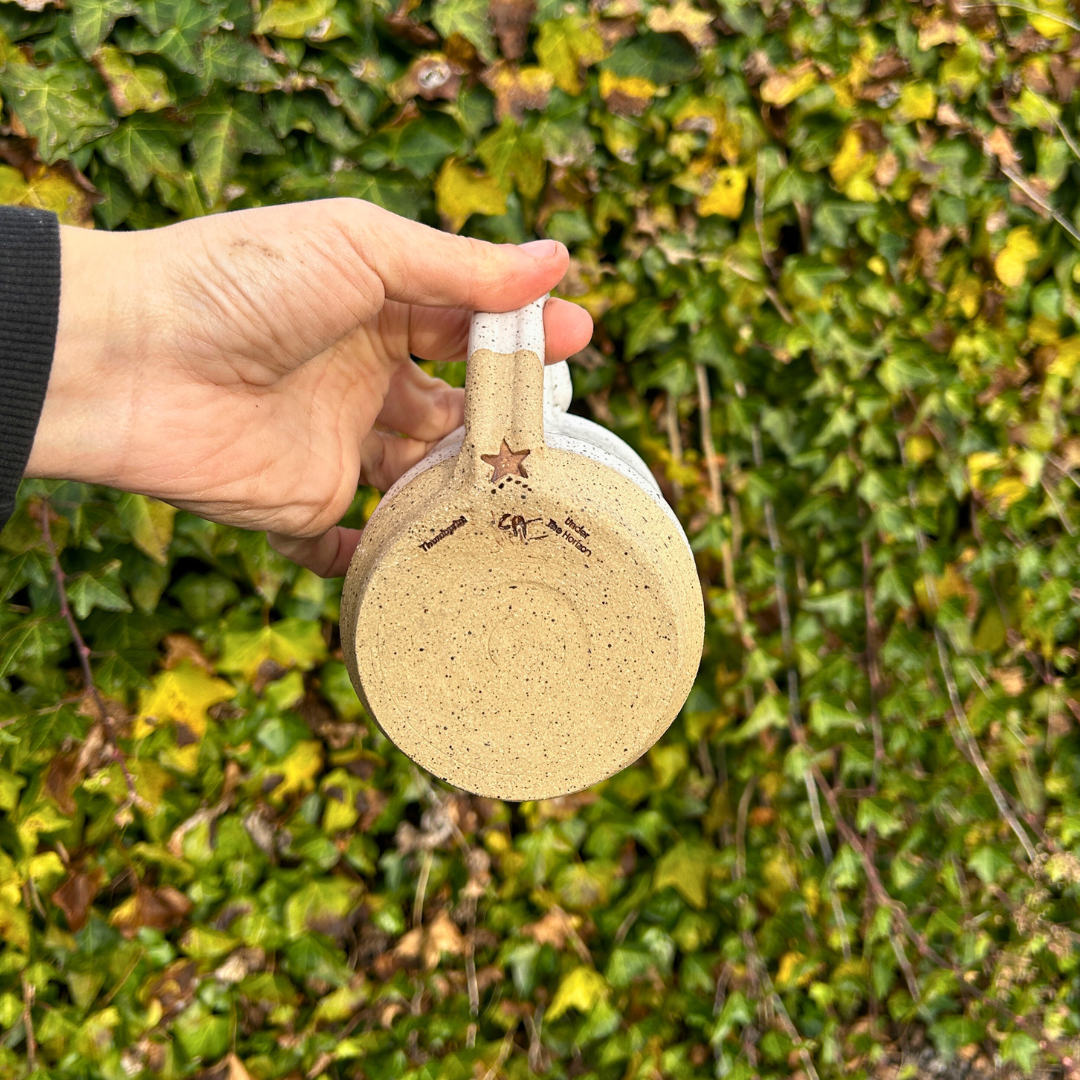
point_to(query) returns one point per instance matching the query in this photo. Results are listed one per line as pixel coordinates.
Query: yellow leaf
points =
(966, 293)
(626, 95)
(293, 18)
(1012, 260)
(1008, 490)
(299, 769)
(727, 195)
(47, 189)
(461, 192)
(1047, 26)
(580, 990)
(133, 88)
(290, 642)
(565, 46)
(918, 448)
(182, 694)
(710, 115)
(683, 18)
(783, 87)
(1068, 354)
(687, 871)
(14, 925)
(46, 870)
(788, 963)
(917, 102)
(852, 168)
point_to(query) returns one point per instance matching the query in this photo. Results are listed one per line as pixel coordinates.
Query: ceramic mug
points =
(523, 616)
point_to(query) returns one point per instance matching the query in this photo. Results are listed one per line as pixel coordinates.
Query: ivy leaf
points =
(322, 907)
(173, 29)
(224, 130)
(469, 18)
(47, 189)
(727, 194)
(100, 588)
(686, 869)
(183, 694)
(565, 46)
(1011, 262)
(132, 88)
(293, 18)
(461, 192)
(663, 59)
(581, 989)
(514, 157)
(141, 149)
(288, 642)
(150, 523)
(92, 21)
(60, 105)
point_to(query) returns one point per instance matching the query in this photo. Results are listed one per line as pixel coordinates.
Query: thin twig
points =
(970, 745)
(82, 650)
(740, 828)
(1070, 528)
(504, 1053)
(1031, 11)
(1039, 201)
(794, 713)
(780, 306)
(759, 215)
(671, 426)
(872, 666)
(421, 888)
(905, 965)
(28, 1022)
(1061, 129)
(708, 447)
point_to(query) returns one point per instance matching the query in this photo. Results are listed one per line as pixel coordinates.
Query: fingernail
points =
(540, 249)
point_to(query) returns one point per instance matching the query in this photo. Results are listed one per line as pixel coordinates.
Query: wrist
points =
(81, 432)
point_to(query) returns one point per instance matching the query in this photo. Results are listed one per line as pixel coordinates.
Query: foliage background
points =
(832, 252)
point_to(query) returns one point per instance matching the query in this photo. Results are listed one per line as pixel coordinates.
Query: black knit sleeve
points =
(29, 305)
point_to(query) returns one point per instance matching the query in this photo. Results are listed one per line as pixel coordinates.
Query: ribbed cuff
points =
(29, 306)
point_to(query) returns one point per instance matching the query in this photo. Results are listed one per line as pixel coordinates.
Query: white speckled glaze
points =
(513, 668)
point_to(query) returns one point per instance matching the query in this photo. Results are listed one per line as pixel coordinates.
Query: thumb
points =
(420, 265)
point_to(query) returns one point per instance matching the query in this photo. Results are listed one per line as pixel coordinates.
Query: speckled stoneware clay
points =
(523, 616)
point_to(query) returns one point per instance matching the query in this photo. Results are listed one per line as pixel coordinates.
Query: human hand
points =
(237, 366)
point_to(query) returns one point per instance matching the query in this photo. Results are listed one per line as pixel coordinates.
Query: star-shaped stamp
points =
(506, 462)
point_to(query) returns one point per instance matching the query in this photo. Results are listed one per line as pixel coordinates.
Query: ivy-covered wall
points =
(832, 251)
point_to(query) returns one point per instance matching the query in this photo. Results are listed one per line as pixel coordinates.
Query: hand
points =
(236, 366)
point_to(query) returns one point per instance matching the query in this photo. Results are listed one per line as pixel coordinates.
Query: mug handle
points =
(504, 393)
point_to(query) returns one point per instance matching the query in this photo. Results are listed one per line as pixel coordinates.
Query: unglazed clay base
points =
(522, 617)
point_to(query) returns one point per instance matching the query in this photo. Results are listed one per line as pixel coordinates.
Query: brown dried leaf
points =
(431, 77)
(1066, 77)
(511, 20)
(175, 987)
(554, 929)
(180, 647)
(999, 144)
(228, 1068)
(75, 896)
(442, 936)
(413, 32)
(158, 908)
(517, 89)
